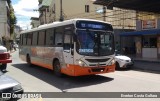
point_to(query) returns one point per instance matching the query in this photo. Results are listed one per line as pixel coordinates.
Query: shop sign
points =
(149, 24)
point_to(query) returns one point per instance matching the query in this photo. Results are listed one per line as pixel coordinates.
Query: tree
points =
(13, 19)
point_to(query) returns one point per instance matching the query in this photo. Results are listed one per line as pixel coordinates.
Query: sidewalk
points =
(147, 60)
(147, 64)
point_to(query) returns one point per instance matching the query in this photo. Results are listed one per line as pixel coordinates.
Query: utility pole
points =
(61, 12)
(104, 13)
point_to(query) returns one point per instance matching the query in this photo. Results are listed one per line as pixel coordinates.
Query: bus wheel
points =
(57, 68)
(28, 59)
(3, 67)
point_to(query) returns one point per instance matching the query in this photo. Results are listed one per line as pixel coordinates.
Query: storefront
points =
(146, 38)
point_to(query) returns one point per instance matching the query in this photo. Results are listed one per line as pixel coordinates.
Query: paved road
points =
(37, 79)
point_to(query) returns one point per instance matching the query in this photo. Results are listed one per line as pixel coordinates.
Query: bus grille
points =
(97, 60)
(97, 69)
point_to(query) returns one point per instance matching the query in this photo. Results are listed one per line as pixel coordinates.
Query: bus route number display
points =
(93, 25)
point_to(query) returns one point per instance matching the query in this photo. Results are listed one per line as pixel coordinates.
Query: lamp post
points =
(61, 12)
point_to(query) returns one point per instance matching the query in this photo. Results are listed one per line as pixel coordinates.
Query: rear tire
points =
(57, 68)
(28, 59)
(3, 67)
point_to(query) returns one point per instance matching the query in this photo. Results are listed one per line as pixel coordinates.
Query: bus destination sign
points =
(93, 25)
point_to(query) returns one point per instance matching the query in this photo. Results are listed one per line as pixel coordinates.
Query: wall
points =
(5, 29)
(75, 9)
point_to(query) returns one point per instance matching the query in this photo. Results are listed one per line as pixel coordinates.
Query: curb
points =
(151, 61)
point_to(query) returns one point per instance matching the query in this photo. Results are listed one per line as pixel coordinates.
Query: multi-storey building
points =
(35, 22)
(4, 21)
(44, 11)
(17, 30)
(50, 10)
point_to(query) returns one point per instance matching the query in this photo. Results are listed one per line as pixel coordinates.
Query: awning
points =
(143, 32)
(139, 5)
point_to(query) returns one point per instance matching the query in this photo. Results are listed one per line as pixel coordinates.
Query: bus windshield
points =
(95, 43)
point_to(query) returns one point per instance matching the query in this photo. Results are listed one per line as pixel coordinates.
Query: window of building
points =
(87, 8)
(47, 9)
(149, 41)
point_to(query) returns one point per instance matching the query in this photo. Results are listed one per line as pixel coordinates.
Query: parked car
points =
(4, 58)
(9, 85)
(123, 61)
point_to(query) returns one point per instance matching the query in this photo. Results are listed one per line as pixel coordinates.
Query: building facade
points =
(35, 22)
(44, 16)
(4, 19)
(5, 22)
(50, 10)
(146, 38)
(17, 30)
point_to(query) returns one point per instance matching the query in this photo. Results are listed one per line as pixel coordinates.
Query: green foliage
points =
(13, 19)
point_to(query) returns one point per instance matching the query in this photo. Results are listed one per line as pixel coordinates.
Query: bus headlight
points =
(81, 63)
(112, 62)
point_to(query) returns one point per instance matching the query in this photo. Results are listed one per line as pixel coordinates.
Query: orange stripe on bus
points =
(42, 65)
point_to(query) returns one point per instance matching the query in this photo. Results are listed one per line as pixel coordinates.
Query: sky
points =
(24, 10)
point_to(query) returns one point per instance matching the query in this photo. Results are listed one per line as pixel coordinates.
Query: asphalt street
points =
(38, 79)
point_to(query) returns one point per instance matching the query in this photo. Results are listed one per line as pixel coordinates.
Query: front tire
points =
(57, 68)
(3, 67)
(117, 66)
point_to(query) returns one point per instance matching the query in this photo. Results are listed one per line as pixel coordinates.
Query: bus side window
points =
(58, 36)
(49, 37)
(24, 39)
(41, 38)
(34, 38)
(67, 42)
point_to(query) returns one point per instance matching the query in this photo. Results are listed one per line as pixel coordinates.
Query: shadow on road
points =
(62, 83)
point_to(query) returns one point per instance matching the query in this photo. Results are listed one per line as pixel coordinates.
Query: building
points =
(53, 10)
(44, 16)
(146, 38)
(50, 10)
(17, 30)
(5, 22)
(35, 22)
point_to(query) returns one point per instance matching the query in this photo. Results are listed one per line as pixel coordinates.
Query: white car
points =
(123, 61)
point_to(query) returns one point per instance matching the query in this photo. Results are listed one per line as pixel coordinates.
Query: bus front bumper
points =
(76, 70)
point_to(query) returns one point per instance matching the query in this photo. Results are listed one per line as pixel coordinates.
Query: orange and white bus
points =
(73, 47)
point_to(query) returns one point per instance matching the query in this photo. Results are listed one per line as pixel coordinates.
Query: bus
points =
(73, 47)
